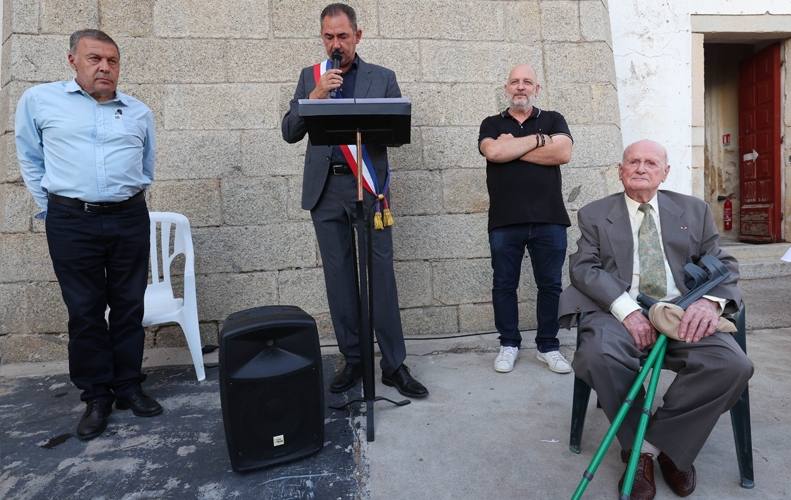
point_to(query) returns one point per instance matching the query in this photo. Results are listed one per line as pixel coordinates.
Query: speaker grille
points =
(278, 406)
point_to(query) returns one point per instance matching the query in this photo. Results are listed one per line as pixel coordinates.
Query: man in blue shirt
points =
(86, 152)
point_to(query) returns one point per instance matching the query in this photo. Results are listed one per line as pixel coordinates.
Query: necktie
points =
(653, 280)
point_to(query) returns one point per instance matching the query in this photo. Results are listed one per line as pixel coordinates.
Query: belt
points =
(340, 169)
(98, 208)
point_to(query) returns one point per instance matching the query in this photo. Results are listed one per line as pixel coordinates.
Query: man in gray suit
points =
(639, 241)
(327, 181)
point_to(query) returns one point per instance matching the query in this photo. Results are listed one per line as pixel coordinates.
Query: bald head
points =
(522, 70)
(521, 89)
(643, 169)
(648, 143)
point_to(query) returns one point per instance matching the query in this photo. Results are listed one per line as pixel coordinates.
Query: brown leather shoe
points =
(682, 482)
(643, 487)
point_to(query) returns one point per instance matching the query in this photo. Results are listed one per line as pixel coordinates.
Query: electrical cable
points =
(210, 348)
(449, 337)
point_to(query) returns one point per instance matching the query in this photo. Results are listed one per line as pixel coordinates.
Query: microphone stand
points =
(386, 121)
(365, 294)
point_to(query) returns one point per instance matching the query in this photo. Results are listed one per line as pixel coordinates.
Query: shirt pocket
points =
(131, 130)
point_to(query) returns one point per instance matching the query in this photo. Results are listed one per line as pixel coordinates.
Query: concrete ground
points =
(479, 435)
(482, 434)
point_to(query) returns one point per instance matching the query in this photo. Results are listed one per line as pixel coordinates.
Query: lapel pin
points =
(683, 227)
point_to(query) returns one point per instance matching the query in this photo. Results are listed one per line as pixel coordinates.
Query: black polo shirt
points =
(519, 191)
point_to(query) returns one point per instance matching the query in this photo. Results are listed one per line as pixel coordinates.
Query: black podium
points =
(337, 122)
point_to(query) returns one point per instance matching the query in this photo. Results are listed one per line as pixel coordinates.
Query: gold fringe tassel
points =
(378, 221)
(388, 218)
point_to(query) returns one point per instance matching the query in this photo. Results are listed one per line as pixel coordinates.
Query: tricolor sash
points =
(370, 182)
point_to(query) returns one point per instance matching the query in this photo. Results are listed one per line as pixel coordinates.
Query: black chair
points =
(740, 413)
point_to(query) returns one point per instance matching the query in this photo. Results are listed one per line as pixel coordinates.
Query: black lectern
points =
(337, 122)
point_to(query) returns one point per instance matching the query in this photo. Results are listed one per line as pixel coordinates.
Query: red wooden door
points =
(759, 146)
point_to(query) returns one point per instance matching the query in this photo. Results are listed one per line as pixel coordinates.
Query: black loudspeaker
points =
(271, 386)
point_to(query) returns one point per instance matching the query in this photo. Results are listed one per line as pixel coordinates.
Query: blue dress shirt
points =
(71, 145)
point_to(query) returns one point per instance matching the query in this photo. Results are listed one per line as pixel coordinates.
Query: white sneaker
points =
(504, 362)
(557, 363)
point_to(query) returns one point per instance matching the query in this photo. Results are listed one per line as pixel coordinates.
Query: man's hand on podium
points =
(330, 80)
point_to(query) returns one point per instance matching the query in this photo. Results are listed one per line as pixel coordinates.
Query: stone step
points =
(743, 251)
(753, 269)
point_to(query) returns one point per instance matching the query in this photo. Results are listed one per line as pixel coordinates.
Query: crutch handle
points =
(646, 302)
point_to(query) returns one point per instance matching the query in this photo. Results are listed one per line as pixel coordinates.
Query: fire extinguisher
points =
(728, 212)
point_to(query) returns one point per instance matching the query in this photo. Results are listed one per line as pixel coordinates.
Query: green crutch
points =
(655, 359)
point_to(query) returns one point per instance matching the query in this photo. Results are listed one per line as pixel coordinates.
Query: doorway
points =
(744, 138)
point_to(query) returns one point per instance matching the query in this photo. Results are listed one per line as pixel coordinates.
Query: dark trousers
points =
(332, 232)
(711, 376)
(546, 244)
(101, 260)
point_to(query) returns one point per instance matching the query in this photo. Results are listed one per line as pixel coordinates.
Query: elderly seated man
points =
(636, 242)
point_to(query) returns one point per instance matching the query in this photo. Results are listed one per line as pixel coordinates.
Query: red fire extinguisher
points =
(728, 212)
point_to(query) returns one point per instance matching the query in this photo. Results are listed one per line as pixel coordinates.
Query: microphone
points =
(336, 63)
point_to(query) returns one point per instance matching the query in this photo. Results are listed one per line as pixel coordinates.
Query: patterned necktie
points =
(653, 280)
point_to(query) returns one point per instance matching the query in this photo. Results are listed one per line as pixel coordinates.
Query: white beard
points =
(521, 107)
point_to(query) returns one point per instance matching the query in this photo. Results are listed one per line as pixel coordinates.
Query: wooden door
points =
(759, 146)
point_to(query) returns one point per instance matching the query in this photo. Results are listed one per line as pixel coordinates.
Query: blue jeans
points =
(546, 244)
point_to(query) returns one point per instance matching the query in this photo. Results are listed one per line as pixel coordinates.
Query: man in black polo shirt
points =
(524, 148)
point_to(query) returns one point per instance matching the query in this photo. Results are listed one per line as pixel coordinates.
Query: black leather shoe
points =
(94, 420)
(142, 405)
(406, 385)
(346, 378)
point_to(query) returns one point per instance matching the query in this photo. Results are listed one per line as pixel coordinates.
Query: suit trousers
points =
(710, 377)
(101, 260)
(331, 223)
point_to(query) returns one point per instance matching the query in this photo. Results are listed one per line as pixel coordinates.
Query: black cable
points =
(441, 338)
(211, 348)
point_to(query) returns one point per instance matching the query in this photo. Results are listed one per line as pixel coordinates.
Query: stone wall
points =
(219, 74)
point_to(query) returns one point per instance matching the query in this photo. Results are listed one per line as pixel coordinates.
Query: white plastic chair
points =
(160, 305)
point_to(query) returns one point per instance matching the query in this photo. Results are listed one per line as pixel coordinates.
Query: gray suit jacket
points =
(372, 82)
(601, 268)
